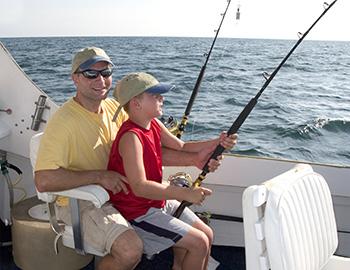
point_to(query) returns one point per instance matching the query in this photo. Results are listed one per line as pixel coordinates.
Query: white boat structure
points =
(24, 111)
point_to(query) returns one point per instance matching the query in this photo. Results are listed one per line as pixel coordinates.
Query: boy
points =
(149, 204)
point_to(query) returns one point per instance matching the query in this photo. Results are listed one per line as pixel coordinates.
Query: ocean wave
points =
(254, 151)
(234, 101)
(336, 125)
(315, 128)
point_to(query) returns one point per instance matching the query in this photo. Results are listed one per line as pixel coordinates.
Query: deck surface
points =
(230, 258)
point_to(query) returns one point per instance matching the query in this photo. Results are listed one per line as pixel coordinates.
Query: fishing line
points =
(179, 128)
(247, 110)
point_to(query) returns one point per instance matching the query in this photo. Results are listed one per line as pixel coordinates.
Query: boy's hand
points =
(228, 142)
(199, 194)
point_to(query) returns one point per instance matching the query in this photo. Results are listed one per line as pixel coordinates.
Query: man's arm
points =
(170, 141)
(172, 157)
(178, 153)
(63, 179)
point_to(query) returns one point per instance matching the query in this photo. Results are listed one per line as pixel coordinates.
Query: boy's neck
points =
(140, 120)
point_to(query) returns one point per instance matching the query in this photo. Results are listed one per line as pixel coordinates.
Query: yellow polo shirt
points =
(77, 139)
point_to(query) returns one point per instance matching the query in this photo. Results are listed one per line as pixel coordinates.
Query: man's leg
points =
(126, 252)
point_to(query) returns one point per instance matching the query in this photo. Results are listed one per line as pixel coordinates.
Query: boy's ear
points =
(135, 102)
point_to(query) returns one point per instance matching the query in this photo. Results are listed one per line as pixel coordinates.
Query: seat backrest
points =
(33, 153)
(290, 222)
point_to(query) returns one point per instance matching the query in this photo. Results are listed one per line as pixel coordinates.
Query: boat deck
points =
(230, 258)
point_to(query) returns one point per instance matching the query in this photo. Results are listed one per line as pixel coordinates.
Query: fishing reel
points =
(180, 179)
(170, 123)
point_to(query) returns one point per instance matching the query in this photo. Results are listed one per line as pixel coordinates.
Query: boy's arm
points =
(130, 149)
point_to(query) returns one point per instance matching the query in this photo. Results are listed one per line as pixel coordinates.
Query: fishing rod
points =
(181, 127)
(246, 111)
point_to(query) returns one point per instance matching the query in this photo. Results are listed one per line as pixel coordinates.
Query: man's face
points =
(95, 89)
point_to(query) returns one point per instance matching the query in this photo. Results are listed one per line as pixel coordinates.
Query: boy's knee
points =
(201, 243)
(210, 235)
(206, 230)
(206, 242)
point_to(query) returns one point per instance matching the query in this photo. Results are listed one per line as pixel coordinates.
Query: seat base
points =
(33, 243)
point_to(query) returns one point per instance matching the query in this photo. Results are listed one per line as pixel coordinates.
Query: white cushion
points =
(301, 232)
(93, 193)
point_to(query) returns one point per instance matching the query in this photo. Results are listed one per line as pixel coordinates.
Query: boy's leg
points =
(190, 218)
(200, 225)
(196, 244)
(179, 255)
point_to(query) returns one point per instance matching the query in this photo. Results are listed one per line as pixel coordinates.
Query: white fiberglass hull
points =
(238, 172)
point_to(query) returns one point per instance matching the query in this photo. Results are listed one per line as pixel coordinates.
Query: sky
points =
(276, 19)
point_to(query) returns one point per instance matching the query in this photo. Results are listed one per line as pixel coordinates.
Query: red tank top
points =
(129, 205)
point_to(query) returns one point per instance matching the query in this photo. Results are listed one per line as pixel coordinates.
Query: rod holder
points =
(39, 110)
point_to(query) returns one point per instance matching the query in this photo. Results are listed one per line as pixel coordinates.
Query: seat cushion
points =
(301, 232)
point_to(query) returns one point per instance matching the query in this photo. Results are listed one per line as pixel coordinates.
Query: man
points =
(74, 152)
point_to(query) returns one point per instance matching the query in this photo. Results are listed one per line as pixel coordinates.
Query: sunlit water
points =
(303, 114)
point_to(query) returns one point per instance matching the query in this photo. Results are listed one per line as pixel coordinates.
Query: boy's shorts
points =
(159, 230)
(100, 226)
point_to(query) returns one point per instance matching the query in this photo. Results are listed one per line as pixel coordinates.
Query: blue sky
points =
(259, 18)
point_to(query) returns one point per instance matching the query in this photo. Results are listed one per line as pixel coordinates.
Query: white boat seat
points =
(289, 223)
(71, 235)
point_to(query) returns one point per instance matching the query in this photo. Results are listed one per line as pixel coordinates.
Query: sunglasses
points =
(93, 74)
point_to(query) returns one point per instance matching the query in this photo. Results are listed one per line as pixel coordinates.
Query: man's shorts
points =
(159, 230)
(100, 226)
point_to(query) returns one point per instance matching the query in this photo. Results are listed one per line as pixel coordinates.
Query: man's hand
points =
(228, 142)
(204, 155)
(113, 181)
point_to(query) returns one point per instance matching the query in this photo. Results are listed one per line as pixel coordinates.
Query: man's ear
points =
(74, 77)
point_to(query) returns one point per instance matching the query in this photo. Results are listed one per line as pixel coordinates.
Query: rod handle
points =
(181, 208)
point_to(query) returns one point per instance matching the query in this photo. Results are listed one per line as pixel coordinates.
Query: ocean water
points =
(304, 114)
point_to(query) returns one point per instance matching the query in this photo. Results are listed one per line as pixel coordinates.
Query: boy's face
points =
(152, 104)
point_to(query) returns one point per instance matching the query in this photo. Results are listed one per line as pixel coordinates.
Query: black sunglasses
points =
(93, 74)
